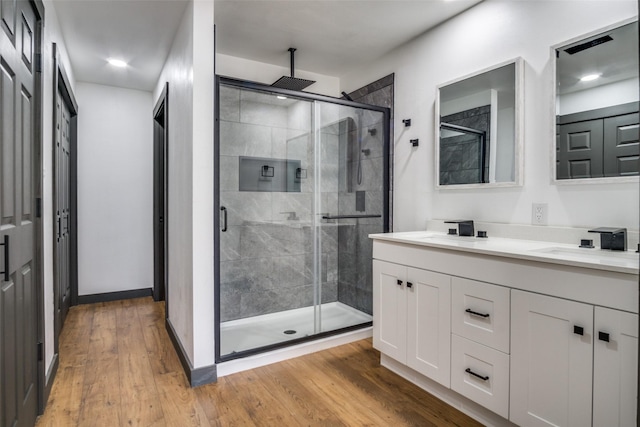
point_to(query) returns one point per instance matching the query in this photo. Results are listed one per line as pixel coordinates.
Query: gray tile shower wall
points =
(355, 282)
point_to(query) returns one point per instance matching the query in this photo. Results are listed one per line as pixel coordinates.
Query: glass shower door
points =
(351, 190)
(267, 210)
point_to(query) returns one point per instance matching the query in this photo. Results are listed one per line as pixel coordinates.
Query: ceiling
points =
(139, 32)
(332, 36)
(615, 60)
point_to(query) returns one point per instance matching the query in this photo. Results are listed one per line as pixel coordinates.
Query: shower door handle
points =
(5, 273)
(224, 218)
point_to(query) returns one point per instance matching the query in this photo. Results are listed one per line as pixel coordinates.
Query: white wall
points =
(115, 189)
(52, 34)
(609, 95)
(246, 69)
(203, 111)
(189, 71)
(487, 34)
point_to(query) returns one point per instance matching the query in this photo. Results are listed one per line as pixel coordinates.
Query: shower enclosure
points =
(302, 180)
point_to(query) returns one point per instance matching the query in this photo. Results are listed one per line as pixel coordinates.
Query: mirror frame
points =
(518, 135)
(553, 109)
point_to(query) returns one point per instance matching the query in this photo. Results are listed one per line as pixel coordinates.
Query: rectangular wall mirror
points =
(478, 128)
(597, 106)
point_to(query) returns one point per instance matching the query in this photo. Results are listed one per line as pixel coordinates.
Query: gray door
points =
(159, 211)
(18, 299)
(62, 207)
(580, 150)
(160, 165)
(621, 145)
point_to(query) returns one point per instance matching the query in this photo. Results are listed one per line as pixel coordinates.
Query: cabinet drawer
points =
(480, 312)
(489, 386)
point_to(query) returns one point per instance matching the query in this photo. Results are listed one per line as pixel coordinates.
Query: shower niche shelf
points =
(270, 175)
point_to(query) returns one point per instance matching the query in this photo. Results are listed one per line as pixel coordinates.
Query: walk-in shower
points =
(302, 180)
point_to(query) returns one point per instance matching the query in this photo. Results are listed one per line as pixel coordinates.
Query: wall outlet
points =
(539, 214)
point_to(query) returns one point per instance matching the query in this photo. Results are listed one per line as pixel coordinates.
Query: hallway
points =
(118, 368)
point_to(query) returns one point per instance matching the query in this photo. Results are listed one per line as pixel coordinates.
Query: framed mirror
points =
(478, 128)
(596, 107)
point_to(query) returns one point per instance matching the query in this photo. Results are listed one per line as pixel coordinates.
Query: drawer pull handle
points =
(603, 336)
(475, 313)
(399, 282)
(469, 371)
(409, 284)
(578, 330)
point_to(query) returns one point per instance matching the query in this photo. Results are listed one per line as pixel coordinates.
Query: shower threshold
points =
(267, 329)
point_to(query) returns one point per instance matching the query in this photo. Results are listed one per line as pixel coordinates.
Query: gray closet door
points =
(62, 209)
(580, 150)
(18, 297)
(621, 148)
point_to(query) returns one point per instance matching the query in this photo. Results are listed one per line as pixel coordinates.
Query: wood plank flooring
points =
(118, 368)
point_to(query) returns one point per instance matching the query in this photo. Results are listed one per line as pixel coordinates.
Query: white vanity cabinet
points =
(507, 333)
(413, 320)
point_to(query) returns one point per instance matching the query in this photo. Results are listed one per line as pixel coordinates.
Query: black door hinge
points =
(38, 207)
(38, 62)
(40, 352)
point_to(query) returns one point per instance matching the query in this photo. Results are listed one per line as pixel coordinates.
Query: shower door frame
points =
(249, 85)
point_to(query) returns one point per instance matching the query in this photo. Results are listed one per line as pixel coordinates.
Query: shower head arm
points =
(292, 49)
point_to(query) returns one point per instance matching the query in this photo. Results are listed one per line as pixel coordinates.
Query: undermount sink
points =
(594, 254)
(451, 237)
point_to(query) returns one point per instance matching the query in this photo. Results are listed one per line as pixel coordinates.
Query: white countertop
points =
(550, 252)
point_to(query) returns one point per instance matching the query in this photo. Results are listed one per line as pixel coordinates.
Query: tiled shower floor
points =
(259, 331)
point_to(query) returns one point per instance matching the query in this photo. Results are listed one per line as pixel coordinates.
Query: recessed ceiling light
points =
(281, 97)
(589, 77)
(117, 62)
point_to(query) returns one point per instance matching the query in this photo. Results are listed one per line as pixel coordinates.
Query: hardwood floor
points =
(118, 368)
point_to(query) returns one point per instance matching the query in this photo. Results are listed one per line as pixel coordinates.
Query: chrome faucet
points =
(465, 226)
(612, 238)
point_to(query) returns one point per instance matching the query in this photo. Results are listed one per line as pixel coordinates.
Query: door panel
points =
(615, 368)
(27, 160)
(551, 363)
(390, 302)
(9, 385)
(429, 324)
(18, 296)
(580, 150)
(621, 150)
(8, 88)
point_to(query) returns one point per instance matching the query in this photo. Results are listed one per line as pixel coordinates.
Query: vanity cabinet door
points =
(429, 324)
(390, 309)
(551, 361)
(615, 368)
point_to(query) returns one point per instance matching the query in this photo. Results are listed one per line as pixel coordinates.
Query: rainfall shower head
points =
(584, 46)
(292, 83)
